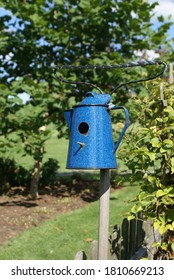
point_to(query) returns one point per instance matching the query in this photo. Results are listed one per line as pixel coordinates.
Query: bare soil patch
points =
(18, 212)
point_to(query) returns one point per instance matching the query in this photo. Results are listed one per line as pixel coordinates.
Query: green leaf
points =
(156, 225)
(161, 18)
(169, 227)
(163, 150)
(136, 208)
(172, 246)
(172, 165)
(168, 142)
(159, 120)
(169, 110)
(130, 217)
(156, 244)
(155, 142)
(168, 128)
(164, 245)
(151, 156)
(171, 193)
(162, 229)
(160, 193)
(170, 215)
(142, 195)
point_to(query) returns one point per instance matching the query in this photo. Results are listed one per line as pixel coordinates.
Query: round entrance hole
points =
(83, 128)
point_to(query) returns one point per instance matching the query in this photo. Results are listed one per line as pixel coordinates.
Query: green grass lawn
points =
(61, 238)
(57, 149)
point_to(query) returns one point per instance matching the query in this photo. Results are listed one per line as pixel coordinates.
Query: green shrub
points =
(12, 175)
(149, 153)
(49, 172)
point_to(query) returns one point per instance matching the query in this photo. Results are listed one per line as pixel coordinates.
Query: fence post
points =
(171, 73)
(103, 230)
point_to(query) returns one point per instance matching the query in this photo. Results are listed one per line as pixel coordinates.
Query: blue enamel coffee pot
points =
(91, 143)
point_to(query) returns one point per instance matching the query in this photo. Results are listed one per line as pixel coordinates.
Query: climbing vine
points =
(149, 154)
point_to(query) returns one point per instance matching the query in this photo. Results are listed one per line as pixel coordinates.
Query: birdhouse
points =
(91, 143)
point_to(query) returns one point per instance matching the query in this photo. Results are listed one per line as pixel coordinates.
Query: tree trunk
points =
(35, 180)
(36, 175)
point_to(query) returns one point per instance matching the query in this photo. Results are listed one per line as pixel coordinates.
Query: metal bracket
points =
(107, 67)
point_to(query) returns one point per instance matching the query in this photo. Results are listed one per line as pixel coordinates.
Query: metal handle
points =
(125, 126)
(110, 67)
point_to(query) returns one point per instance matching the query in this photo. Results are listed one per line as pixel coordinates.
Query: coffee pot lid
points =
(93, 98)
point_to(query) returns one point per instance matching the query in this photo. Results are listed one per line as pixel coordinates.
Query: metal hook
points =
(74, 83)
(116, 66)
(145, 79)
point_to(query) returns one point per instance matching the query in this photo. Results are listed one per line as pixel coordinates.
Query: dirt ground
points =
(18, 212)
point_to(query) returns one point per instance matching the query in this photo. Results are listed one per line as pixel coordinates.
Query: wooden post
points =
(171, 74)
(103, 231)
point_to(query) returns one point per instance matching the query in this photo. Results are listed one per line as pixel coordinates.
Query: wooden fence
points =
(133, 240)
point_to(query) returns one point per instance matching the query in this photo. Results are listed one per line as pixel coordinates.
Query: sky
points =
(165, 8)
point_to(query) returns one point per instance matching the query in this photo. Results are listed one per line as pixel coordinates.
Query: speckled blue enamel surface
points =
(95, 98)
(97, 148)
